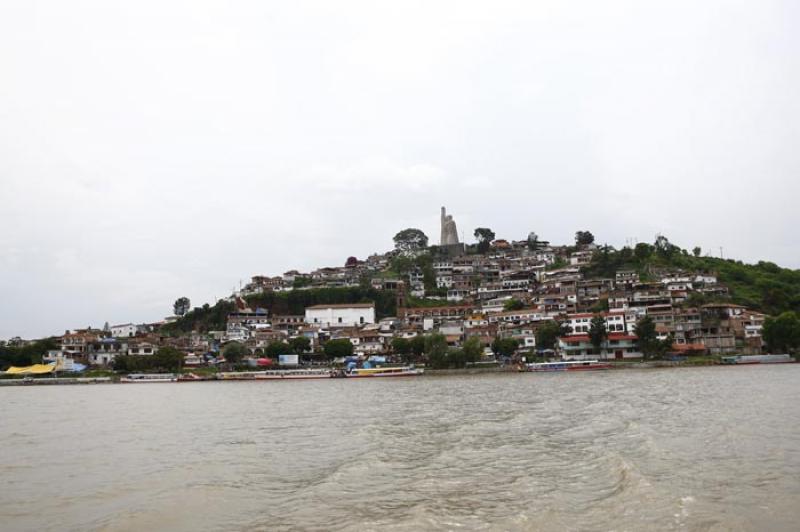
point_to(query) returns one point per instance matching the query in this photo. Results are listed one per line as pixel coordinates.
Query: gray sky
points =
(155, 149)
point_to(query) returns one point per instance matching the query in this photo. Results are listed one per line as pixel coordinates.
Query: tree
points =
(338, 348)
(181, 306)
(417, 345)
(300, 344)
(597, 332)
(642, 251)
(664, 247)
(234, 352)
(782, 333)
(409, 240)
(276, 348)
(583, 238)
(505, 347)
(351, 262)
(436, 350)
(472, 349)
(645, 331)
(697, 251)
(513, 304)
(548, 333)
(167, 358)
(484, 235)
(401, 346)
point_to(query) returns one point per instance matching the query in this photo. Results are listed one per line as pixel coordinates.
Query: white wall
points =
(340, 316)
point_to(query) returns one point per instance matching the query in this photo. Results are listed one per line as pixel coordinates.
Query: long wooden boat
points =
(575, 365)
(275, 375)
(149, 377)
(757, 359)
(401, 371)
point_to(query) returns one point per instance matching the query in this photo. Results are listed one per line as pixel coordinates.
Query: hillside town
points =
(517, 300)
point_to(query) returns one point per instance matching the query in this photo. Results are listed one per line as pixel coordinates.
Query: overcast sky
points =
(155, 149)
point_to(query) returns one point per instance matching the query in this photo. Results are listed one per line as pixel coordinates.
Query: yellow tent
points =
(36, 369)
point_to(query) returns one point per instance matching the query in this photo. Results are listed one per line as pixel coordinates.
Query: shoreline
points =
(616, 366)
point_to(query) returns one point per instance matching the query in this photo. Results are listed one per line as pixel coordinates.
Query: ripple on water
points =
(681, 450)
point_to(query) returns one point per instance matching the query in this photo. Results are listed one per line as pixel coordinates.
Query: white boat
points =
(150, 377)
(401, 371)
(758, 359)
(276, 375)
(576, 365)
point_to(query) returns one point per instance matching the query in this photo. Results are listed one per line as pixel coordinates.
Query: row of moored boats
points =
(278, 375)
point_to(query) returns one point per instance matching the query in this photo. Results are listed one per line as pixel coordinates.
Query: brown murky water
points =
(685, 449)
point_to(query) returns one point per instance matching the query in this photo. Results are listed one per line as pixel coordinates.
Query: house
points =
(105, 350)
(141, 348)
(126, 330)
(343, 315)
(617, 346)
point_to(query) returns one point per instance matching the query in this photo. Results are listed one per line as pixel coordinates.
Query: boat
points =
(576, 365)
(758, 359)
(276, 375)
(191, 377)
(400, 371)
(149, 377)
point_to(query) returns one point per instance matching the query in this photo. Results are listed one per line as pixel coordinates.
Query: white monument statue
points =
(449, 231)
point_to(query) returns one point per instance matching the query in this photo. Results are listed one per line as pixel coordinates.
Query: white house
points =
(126, 330)
(346, 315)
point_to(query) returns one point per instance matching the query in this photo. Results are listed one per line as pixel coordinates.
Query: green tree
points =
(300, 344)
(642, 251)
(181, 306)
(505, 347)
(410, 240)
(472, 349)
(548, 333)
(338, 348)
(484, 235)
(401, 347)
(583, 238)
(513, 304)
(234, 352)
(597, 333)
(664, 247)
(697, 251)
(168, 359)
(782, 333)
(645, 331)
(417, 344)
(436, 350)
(276, 348)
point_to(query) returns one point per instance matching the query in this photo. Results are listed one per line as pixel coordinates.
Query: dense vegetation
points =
(763, 286)
(27, 354)
(165, 359)
(210, 318)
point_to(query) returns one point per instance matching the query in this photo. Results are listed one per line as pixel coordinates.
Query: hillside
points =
(210, 318)
(764, 286)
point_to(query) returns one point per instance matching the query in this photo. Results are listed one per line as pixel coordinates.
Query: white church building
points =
(345, 315)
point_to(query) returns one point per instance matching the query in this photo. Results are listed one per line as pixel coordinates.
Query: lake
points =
(714, 448)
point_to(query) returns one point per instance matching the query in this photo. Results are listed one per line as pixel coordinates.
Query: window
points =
(340, 320)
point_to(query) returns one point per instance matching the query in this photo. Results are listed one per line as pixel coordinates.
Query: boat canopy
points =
(36, 369)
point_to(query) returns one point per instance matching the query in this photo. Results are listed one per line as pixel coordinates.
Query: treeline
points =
(202, 319)
(764, 286)
(296, 301)
(214, 318)
(26, 355)
(165, 359)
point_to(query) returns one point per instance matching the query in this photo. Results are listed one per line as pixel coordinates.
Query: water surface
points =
(678, 449)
